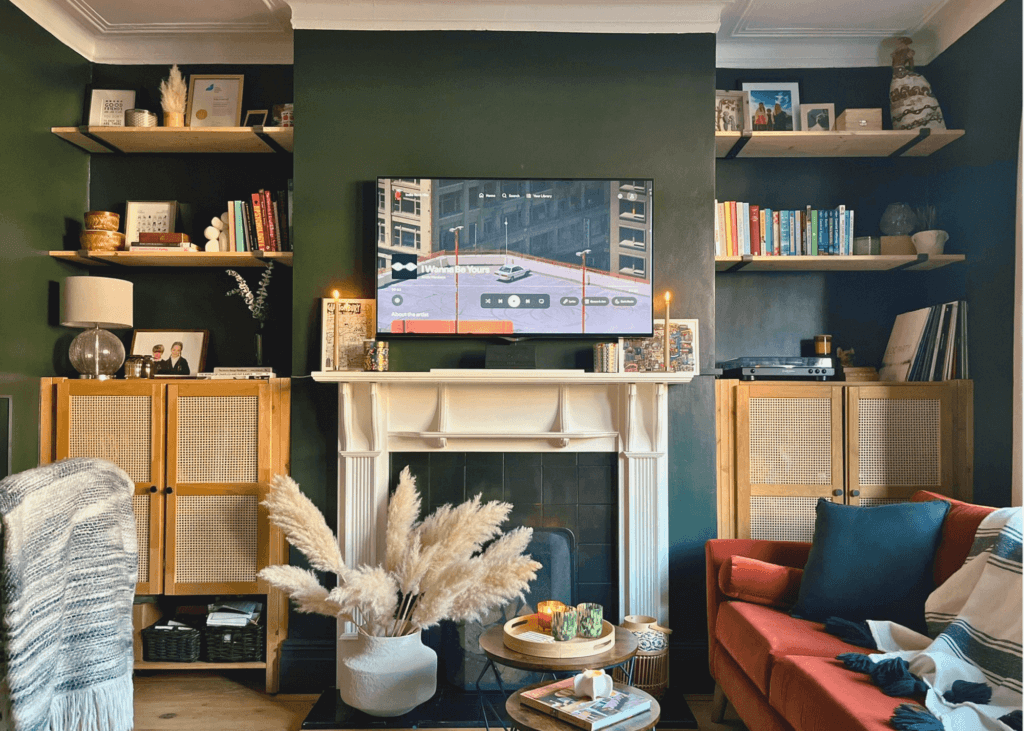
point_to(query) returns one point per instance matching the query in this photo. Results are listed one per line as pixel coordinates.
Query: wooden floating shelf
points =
(869, 143)
(178, 139)
(173, 259)
(885, 262)
(199, 665)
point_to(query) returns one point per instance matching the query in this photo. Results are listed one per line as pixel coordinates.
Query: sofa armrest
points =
(718, 550)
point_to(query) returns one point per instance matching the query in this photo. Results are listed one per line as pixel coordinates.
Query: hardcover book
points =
(161, 237)
(558, 699)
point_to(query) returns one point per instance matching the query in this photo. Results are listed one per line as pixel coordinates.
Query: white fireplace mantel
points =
(512, 411)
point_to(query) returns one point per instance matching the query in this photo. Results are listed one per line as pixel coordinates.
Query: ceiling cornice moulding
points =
(552, 16)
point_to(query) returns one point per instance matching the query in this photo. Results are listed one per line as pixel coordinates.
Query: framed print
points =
(647, 355)
(214, 101)
(149, 216)
(817, 117)
(345, 326)
(773, 105)
(255, 118)
(175, 353)
(730, 112)
(107, 107)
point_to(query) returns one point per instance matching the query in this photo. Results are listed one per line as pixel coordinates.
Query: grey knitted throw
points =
(69, 566)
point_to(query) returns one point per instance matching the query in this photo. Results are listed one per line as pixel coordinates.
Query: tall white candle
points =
(668, 298)
(337, 350)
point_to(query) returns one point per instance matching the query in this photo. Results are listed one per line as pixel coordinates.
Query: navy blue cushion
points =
(871, 562)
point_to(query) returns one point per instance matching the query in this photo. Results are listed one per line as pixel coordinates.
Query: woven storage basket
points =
(650, 673)
(170, 645)
(234, 644)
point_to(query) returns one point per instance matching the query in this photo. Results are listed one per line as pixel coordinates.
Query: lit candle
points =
(668, 298)
(337, 350)
(544, 612)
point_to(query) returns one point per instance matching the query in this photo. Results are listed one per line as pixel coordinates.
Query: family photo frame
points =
(773, 106)
(817, 117)
(175, 353)
(731, 111)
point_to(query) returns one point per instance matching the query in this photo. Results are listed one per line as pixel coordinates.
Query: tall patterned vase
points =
(911, 100)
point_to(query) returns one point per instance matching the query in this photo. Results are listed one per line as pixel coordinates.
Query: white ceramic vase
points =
(387, 676)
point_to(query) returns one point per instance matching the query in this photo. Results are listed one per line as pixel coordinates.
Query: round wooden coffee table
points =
(493, 644)
(528, 719)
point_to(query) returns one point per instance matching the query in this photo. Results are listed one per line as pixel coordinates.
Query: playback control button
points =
(515, 301)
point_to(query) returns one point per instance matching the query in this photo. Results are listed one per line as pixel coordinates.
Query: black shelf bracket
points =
(745, 137)
(271, 142)
(921, 259)
(921, 134)
(84, 131)
(747, 259)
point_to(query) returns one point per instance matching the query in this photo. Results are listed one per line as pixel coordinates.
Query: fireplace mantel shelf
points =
(485, 375)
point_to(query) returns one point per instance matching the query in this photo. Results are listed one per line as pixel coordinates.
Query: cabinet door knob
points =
(855, 493)
(170, 490)
(153, 488)
(837, 492)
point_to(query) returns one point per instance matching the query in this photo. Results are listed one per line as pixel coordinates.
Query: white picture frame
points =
(817, 117)
(107, 107)
(188, 359)
(214, 100)
(731, 111)
(762, 96)
(157, 216)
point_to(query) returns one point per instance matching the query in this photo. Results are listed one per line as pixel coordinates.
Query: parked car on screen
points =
(511, 272)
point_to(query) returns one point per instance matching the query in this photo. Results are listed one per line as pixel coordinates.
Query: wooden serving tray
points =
(516, 638)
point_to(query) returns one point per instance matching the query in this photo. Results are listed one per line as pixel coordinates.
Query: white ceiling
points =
(751, 33)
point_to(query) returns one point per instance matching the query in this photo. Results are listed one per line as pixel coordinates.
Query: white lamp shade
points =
(96, 301)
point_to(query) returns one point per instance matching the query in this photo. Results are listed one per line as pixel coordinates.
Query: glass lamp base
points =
(96, 354)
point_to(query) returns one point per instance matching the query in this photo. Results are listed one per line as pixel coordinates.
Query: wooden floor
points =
(198, 701)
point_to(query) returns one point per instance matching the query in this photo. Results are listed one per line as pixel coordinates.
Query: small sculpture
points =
(912, 103)
(217, 234)
(845, 357)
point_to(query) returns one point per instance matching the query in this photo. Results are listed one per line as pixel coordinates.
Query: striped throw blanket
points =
(975, 618)
(69, 567)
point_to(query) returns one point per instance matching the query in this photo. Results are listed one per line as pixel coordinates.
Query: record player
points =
(749, 369)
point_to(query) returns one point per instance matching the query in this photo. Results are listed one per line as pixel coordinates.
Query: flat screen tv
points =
(514, 257)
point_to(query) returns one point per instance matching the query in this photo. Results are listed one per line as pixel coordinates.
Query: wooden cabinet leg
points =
(718, 704)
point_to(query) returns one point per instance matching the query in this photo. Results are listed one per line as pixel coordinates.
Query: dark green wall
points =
(508, 104)
(973, 184)
(43, 192)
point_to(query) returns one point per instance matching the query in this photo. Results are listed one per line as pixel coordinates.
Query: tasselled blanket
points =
(69, 567)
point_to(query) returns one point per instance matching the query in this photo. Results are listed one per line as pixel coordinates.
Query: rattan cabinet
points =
(783, 445)
(202, 455)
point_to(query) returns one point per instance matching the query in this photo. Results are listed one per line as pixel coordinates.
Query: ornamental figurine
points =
(911, 100)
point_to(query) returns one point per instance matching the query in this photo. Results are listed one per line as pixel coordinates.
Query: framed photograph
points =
(730, 111)
(773, 105)
(150, 216)
(214, 101)
(345, 325)
(175, 353)
(817, 117)
(255, 118)
(647, 355)
(107, 107)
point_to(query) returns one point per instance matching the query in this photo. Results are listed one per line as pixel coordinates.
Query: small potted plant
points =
(172, 98)
(929, 239)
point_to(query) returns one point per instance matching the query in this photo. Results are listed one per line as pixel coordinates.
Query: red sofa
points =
(780, 673)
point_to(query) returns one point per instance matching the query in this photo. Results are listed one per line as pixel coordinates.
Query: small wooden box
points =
(900, 245)
(858, 120)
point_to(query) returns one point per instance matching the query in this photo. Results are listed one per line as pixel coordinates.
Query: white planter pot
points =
(387, 676)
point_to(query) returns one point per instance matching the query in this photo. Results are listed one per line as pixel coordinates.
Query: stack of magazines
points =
(558, 699)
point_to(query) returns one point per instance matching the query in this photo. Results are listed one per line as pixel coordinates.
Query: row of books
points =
(929, 344)
(262, 222)
(747, 228)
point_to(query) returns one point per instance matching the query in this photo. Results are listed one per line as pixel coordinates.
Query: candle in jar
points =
(337, 349)
(668, 298)
(544, 612)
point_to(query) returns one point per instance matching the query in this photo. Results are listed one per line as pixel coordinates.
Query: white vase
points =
(387, 676)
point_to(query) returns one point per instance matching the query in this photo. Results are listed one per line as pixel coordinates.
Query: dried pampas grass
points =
(433, 570)
(173, 92)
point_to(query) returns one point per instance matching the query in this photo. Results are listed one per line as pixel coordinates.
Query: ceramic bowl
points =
(102, 221)
(929, 242)
(102, 240)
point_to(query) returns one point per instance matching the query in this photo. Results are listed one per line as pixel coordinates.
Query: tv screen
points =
(514, 257)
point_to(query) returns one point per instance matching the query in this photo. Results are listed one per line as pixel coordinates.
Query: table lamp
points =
(96, 303)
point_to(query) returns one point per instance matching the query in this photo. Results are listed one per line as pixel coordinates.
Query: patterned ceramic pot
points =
(911, 100)
(387, 676)
(651, 636)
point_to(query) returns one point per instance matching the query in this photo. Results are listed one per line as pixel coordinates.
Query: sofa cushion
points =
(750, 704)
(756, 636)
(820, 694)
(759, 582)
(871, 562)
(958, 531)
